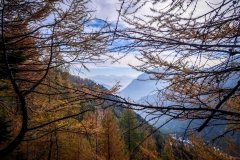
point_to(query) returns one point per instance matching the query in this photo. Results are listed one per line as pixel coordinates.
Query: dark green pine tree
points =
(131, 134)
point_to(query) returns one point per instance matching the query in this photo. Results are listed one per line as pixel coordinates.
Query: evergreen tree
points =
(128, 124)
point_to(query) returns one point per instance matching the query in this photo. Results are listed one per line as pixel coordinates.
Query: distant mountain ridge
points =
(143, 91)
(142, 86)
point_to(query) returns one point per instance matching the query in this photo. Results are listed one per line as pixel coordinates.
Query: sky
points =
(109, 73)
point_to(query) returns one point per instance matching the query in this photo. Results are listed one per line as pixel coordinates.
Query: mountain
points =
(118, 109)
(143, 90)
(142, 86)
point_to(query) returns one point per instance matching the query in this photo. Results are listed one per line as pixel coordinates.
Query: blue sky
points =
(108, 73)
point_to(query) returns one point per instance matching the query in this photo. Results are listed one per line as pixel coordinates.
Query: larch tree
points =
(111, 139)
(39, 38)
(173, 149)
(193, 46)
(148, 149)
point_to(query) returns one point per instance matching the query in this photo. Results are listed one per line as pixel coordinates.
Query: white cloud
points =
(109, 68)
(124, 60)
(117, 60)
(105, 9)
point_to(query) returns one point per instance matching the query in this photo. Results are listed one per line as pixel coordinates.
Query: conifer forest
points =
(119, 80)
